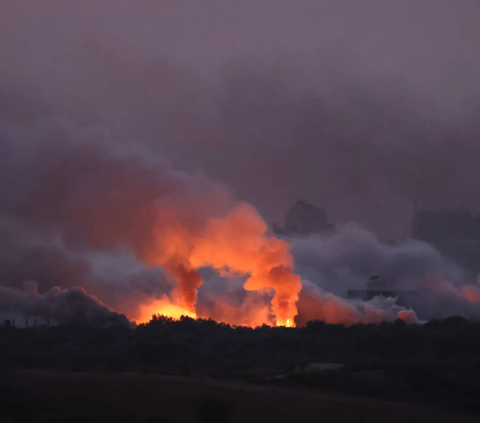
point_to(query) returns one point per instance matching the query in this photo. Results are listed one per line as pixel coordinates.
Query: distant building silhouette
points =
(454, 233)
(305, 219)
(381, 286)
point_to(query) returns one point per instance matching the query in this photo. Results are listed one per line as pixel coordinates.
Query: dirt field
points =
(36, 396)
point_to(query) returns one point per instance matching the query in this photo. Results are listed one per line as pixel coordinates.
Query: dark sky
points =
(358, 106)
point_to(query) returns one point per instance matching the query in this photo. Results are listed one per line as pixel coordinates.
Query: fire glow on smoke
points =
(235, 245)
(110, 197)
(238, 245)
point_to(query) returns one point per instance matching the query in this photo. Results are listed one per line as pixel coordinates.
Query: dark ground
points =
(161, 371)
(39, 396)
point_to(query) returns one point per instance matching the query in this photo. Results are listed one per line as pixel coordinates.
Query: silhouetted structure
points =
(453, 233)
(305, 219)
(379, 286)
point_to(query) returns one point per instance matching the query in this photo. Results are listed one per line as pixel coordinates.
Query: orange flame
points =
(235, 245)
(164, 307)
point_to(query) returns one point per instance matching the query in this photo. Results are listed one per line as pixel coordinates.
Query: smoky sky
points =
(361, 107)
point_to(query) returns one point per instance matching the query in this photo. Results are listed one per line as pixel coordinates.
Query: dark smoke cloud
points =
(358, 107)
(25, 258)
(60, 179)
(347, 258)
(79, 210)
(114, 276)
(63, 306)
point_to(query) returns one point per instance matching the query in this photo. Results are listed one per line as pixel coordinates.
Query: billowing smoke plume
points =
(75, 186)
(325, 306)
(346, 259)
(294, 115)
(234, 245)
(79, 210)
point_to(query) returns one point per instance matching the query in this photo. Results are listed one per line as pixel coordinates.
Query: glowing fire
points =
(236, 244)
(231, 315)
(164, 307)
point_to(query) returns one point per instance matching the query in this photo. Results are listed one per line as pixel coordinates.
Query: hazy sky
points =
(358, 106)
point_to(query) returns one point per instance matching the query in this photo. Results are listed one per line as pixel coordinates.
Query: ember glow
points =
(471, 294)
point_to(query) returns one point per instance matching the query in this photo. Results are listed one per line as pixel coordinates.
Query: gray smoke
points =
(80, 210)
(316, 304)
(63, 306)
(361, 108)
(346, 260)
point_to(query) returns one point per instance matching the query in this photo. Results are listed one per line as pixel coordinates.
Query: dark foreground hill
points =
(437, 364)
(39, 396)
